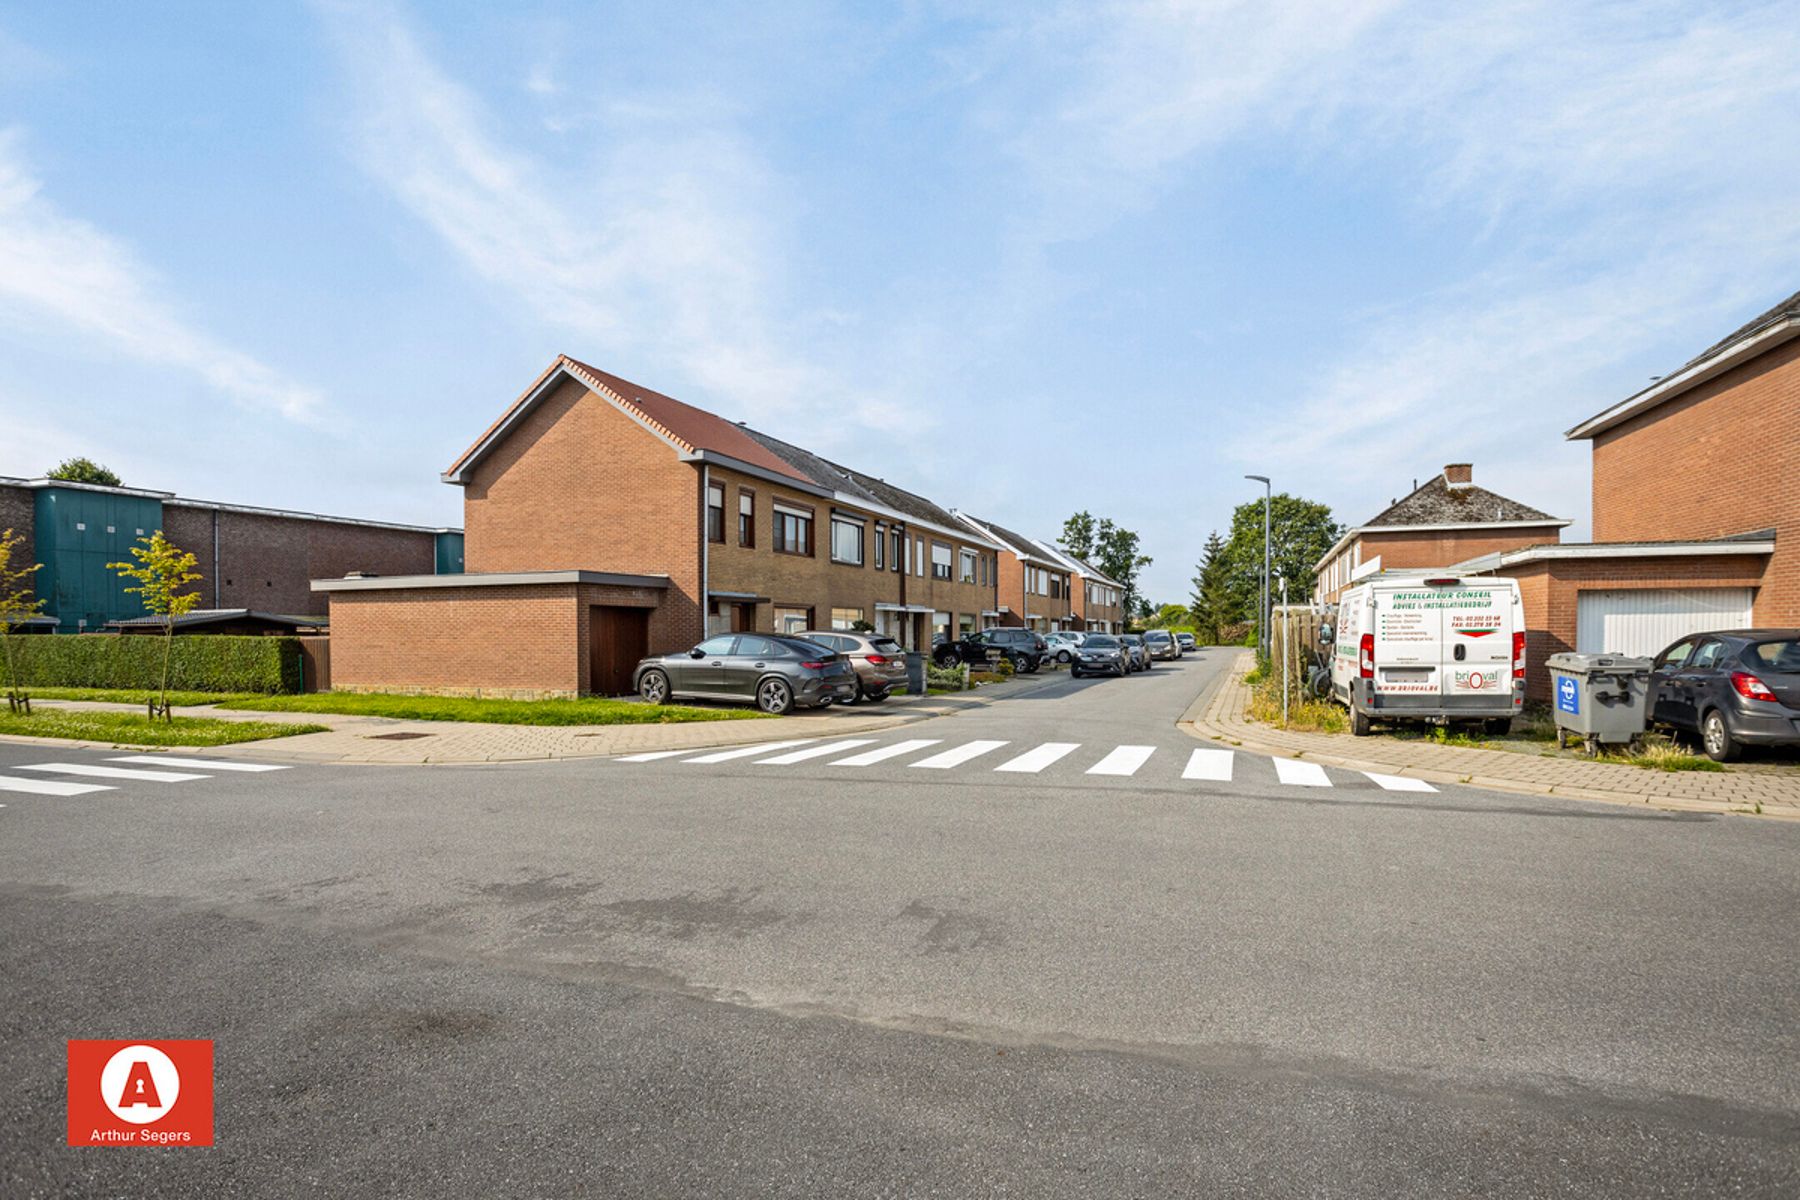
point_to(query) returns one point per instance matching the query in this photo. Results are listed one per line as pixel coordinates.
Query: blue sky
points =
(300, 255)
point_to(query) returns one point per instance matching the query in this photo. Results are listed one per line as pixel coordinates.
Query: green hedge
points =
(200, 662)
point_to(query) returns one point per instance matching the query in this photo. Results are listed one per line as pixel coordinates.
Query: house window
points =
(846, 541)
(1056, 587)
(846, 618)
(940, 561)
(793, 531)
(880, 544)
(715, 513)
(919, 557)
(967, 558)
(940, 623)
(746, 519)
(791, 619)
(897, 560)
(965, 625)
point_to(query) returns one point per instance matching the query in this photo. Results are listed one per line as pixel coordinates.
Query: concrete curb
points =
(1204, 720)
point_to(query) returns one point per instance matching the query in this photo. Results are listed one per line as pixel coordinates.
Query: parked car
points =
(879, 661)
(1161, 644)
(1063, 645)
(1023, 648)
(1733, 688)
(1140, 653)
(776, 672)
(1101, 654)
(1187, 643)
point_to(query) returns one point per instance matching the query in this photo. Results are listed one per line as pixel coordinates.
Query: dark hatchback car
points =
(776, 673)
(1733, 688)
(1025, 649)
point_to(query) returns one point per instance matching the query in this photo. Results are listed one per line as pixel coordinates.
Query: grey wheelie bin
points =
(1598, 698)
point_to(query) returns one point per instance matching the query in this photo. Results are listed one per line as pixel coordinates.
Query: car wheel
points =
(1715, 736)
(1063, 656)
(945, 660)
(774, 696)
(1074, 672)
(653, 686)
(1498, 726)
(1032, 665)
(1359, 723)
(860, 697)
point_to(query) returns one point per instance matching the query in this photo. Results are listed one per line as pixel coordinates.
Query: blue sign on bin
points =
(1568, 695)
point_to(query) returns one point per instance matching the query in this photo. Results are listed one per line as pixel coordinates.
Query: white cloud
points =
(666, 247)
(61, 273)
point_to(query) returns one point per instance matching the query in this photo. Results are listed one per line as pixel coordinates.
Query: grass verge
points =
(588, 711)
(134, 696)
(1305, 715)
(136, 730)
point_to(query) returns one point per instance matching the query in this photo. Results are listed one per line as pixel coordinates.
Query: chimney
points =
(1459, 474)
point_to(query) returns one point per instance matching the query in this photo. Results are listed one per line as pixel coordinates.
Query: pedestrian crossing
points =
(1143, 763)
(85, 778)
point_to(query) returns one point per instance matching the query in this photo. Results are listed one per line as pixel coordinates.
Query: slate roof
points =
(852, 482)
(1018, 543)
(1437, 503)
(1787, 310)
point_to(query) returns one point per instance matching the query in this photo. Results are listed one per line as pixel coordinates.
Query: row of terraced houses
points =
(604, 521)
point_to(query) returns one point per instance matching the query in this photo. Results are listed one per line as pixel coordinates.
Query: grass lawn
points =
(133, 695)
(588, 711)
(137, 730)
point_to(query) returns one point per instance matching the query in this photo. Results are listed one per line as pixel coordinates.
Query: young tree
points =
(1078, 535)
(162, 569)
(1212, 603)
(1300, 532)
(1168, 616)
(83, 470)
(17, 604)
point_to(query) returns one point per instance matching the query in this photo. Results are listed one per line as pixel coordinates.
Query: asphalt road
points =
(875, 977)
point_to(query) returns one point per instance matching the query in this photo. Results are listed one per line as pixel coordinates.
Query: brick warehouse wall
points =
(1724, 458)
(266, 561)
(578, 485)
(1551, 593)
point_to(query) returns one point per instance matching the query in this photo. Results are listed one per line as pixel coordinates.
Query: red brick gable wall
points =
(18, 512)
(578, 485)
(1724, 458)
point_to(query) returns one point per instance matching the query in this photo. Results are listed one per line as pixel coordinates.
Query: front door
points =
(617, 639)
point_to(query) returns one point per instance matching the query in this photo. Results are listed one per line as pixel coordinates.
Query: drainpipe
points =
(705, 552)
(906, 562)
(217, 603)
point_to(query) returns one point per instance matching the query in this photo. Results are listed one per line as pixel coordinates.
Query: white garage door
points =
(1644, 621)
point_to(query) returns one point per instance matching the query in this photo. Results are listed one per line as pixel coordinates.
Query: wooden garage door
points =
(1643, 621)
(617, 639)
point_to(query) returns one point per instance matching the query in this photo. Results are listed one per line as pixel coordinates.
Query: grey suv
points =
(879, 661)
(775, 672)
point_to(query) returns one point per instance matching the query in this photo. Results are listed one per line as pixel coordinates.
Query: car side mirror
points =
(696, 652)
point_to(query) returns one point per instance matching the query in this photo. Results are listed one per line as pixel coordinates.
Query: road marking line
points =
(958, 756)
(1301, 774)
(794, 756)
(869, 758)
(211, 764)
(1400, 783)
(1124, 760)
(1035, 760)
(50, 787)
(746, 751)
(114, 772)
(652, 756)
(1213, 765)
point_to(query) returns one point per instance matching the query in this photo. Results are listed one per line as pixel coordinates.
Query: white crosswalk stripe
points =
(1211, 765)
(1035, 760)
(50, 787)
(745, 751)
(653, 755)
(794, 756)
(1124, 760)
(94, 772)
(1400, 783)
(1301, 774)
(959, 755)
(869, 758)
(208, 764)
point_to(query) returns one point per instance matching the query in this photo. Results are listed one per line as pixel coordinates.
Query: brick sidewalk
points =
(1219, 714)
(360, 739)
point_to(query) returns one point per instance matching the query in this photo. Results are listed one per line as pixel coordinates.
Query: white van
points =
(1430, 647)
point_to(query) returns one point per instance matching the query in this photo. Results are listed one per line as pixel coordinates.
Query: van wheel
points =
(1360, 724)
(1497, 726)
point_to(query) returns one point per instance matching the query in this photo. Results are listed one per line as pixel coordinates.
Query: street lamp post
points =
(1262, 613)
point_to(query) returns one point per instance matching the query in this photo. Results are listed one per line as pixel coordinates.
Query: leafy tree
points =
(1078, 535)
(1169, 616)
(162, 569)
(17, 605)
(1300, 532)
(84, 470)
(1213, 605)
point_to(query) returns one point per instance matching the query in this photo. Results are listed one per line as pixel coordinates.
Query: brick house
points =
(1696, 507)
(1096, 600)
(1036, 584)
(260, 559)
(1447, 520)
(606, 521)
